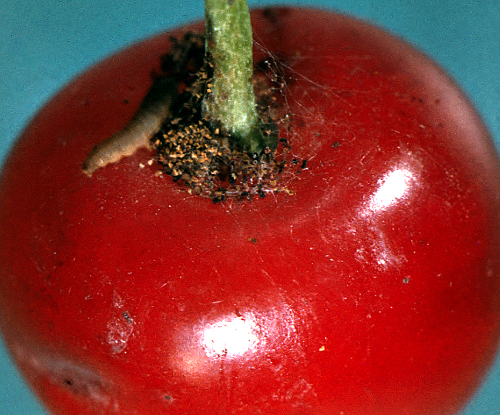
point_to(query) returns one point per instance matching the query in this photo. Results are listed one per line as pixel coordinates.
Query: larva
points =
(138, 132)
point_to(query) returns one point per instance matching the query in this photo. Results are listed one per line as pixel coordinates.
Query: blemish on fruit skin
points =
(119, 331)
(74, 377)
(120, 327)
(127, 317)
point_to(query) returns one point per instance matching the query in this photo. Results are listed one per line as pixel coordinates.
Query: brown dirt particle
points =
(196, 153)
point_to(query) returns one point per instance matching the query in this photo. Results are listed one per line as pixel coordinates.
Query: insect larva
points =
(138, 132)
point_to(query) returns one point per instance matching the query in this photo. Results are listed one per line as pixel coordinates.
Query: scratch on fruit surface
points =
(120, 327)
(119, 330)
(300, 390)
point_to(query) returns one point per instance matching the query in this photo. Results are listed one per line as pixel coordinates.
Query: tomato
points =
(370, 286)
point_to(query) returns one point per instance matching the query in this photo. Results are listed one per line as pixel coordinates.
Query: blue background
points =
(44, 44)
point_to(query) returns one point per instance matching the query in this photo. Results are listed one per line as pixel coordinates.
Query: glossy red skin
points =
(346, 299)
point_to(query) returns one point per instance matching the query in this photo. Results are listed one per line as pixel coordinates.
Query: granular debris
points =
(195, 152)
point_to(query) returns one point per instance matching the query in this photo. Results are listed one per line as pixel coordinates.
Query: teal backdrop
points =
(44, 44)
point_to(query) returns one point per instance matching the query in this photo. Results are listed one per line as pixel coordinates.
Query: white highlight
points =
(230, 337)
(392, 187)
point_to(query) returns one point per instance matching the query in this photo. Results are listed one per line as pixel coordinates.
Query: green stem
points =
(231, 102)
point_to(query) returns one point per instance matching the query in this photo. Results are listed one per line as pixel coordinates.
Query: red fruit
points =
(373, 289)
